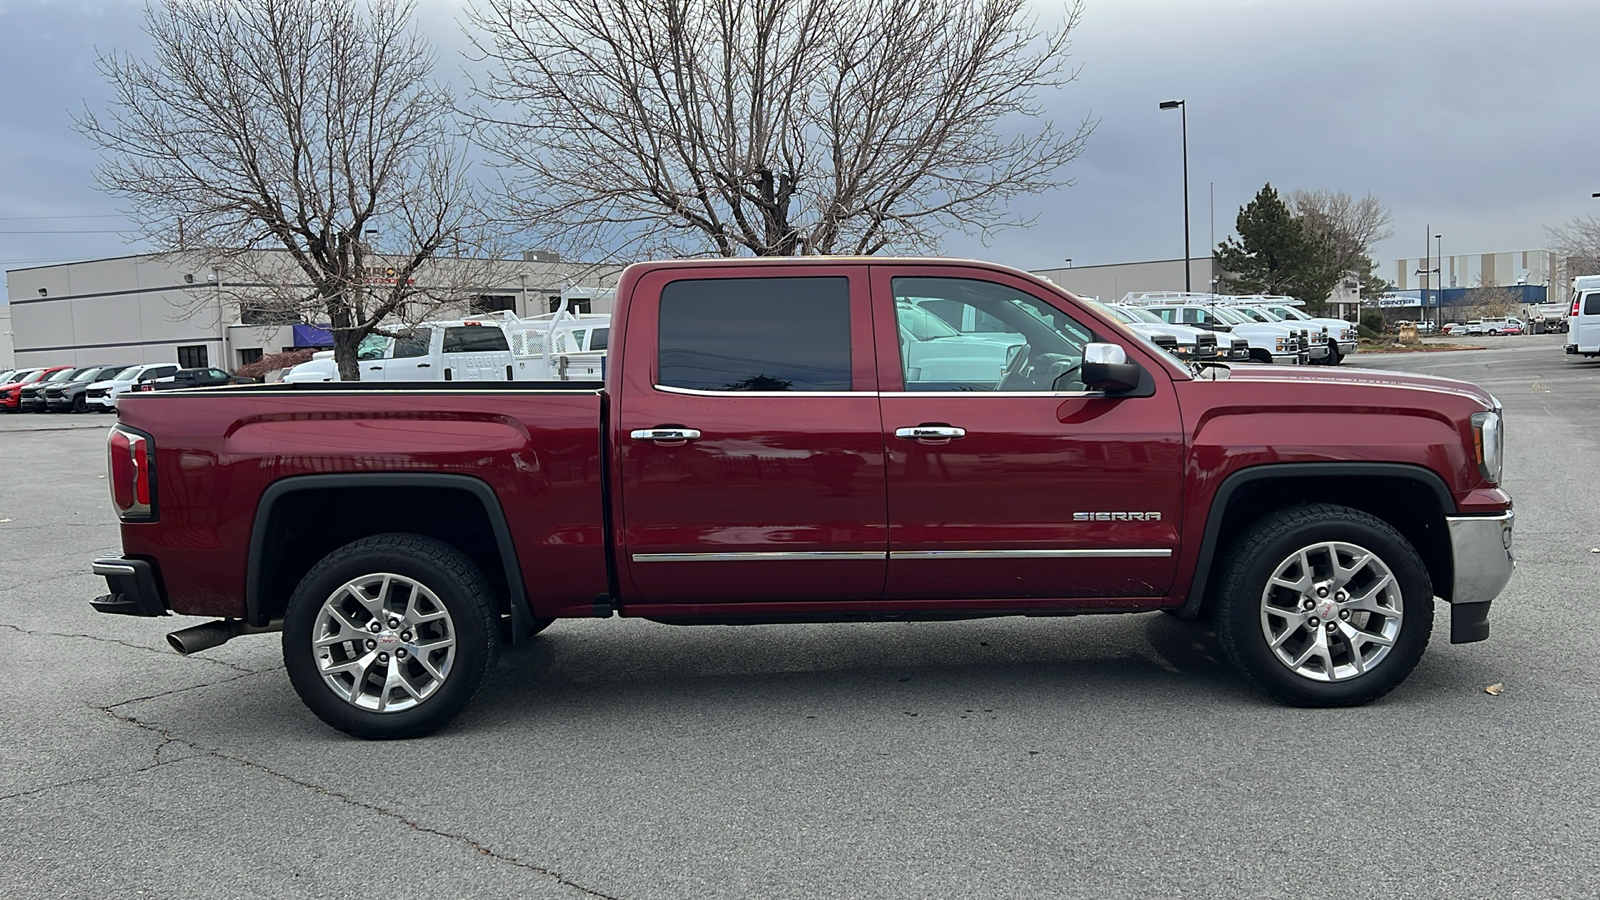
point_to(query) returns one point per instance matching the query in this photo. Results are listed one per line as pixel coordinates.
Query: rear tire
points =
(390, 636)
(1323, 605)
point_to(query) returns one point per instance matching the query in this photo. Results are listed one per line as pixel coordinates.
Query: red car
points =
(774, 442)
(11, 391)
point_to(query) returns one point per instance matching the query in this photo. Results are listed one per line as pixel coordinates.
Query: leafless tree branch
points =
(770, 127)
(312, 127)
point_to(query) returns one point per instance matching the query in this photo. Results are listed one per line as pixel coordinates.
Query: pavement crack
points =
(130, 644)
(218, 753)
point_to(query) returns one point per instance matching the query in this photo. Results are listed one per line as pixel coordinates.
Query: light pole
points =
(1422, 301)
(1069, 262)
(1438, 254)
(1183, 110)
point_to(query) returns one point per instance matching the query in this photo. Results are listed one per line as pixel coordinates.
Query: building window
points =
(246, 357)
(193, 357)
(576, 304)
(487, 303)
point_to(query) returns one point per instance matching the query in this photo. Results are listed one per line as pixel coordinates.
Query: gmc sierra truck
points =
(773, 443)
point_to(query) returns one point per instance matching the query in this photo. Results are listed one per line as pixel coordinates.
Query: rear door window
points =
(474, 339)
(756, 334)
(1591, 304)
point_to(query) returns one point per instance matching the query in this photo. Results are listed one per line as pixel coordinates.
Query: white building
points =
(150, 308)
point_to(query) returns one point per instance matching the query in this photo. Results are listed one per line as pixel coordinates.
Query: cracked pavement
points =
(1089, 757)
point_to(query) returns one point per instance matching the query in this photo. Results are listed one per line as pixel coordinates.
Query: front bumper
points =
(1288, 359)
(134, 590)
(1481, 548)
(1319, 351)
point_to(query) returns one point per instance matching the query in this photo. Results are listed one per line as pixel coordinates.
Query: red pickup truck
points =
(798, 440)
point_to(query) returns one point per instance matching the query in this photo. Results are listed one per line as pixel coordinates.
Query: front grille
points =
(96, 393)
(1206, 346)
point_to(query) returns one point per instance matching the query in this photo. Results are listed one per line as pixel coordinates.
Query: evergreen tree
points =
(1273, 254)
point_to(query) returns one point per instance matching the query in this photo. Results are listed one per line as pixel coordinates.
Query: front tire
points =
(1323, 605)
(390, 636)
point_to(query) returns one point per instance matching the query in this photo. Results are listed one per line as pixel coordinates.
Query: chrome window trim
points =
(1064, 394)
(696, 392)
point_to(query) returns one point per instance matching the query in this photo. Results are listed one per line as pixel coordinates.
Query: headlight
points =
(1282, 345)
(1488, 445)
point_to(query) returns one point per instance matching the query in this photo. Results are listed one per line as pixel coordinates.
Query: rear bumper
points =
(134, 591)
(1481, 547)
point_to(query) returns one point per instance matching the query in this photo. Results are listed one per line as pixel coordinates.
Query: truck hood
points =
(1364, 377)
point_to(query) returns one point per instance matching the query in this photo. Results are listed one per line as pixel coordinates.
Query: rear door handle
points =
(930, 433)
(665, 435)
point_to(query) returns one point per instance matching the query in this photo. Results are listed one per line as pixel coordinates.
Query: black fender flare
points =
(1271, 471)
(521, 610)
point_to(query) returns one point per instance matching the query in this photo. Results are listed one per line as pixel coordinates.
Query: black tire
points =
(79, 404)
(469, 632)
(1249, 606)
(1334, 356)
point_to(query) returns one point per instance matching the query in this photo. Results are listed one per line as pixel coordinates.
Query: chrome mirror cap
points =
(1110, 354)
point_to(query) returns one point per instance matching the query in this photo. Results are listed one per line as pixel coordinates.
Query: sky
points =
(1473, 119)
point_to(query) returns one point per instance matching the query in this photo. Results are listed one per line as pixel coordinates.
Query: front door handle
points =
(933, 434)
(665, 436)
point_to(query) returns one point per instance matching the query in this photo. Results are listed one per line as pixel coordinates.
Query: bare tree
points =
(1576, 247)
(308, 127)
(770, 127)
(1346, 228)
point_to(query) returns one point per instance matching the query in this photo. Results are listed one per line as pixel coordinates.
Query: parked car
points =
(102, 395)
(11, 394)
(34, 396)
(1269, 342)
(1495, 325)
(1184, 342)
(191, 378)
(70, 395)
(761, 451)
(1453, 328)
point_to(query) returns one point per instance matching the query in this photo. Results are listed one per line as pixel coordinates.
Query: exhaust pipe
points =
(214, 634)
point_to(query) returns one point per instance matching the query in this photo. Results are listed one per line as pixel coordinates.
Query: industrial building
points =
(154, 308)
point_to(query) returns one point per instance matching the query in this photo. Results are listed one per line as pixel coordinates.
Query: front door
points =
(747, 438)
(1009, 479)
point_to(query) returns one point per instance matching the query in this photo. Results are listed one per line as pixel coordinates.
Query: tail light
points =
(132, 474)
(1576, 301)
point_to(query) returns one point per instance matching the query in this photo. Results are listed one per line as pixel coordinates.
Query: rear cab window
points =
(475, 339)
(769, 334)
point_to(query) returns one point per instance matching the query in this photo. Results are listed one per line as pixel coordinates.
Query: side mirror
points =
(1106, 368)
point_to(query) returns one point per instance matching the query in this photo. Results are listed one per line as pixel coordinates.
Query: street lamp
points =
(1183, 110)
(1069, 262)
(1422, 302)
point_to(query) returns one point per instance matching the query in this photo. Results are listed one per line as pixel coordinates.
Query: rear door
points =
(747, 437)
(1025, 484)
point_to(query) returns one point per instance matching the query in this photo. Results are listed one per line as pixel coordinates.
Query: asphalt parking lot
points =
(1088, 757)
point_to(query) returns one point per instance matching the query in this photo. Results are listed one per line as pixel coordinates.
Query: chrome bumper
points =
(1481, 546)
(1483, 559)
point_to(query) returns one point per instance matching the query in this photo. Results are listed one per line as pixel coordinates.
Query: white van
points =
(1583, 320)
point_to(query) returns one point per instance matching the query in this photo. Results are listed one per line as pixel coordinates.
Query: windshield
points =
(1142, 315)
(1253, 315)
(1295, 314)
(1229, 316)
(31, 377)
(89, 374)
(922, 324)
(63, 375)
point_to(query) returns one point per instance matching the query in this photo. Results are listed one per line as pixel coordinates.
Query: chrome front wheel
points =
(1331, 611)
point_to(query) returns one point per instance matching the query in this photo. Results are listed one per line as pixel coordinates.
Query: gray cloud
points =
(1474, 117)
